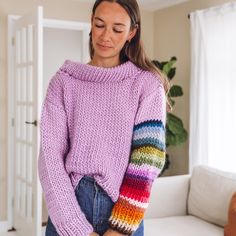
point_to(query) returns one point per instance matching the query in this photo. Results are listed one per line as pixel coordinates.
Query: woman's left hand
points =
(111, 232)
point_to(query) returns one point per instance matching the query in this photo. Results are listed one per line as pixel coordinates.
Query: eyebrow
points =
(98, 18)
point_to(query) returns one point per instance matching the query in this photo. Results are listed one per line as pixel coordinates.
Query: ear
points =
(132, 34)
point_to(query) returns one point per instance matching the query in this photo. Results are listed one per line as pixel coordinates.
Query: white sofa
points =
(195, 205)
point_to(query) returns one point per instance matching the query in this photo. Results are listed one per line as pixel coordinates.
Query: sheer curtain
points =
(213, 87)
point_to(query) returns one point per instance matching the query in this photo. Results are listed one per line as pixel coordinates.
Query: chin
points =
(105, 54)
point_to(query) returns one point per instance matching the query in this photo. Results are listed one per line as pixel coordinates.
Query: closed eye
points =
(115, 30)
(99, 26)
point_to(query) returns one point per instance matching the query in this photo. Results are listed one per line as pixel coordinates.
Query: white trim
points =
(43, 230)
(10, 128)
(63, 24)
(4, 226)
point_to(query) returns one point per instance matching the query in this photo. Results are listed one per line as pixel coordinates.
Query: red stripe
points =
(137, 183)
(136, 194)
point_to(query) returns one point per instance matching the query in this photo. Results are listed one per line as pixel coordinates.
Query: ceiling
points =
(151, 5)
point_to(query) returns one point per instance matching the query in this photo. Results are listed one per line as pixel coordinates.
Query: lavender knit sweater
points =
(107, 123)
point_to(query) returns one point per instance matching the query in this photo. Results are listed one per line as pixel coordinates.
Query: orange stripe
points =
(127, 213)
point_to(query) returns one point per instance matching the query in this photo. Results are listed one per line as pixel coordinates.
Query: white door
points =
(27, 38)
(25, 95)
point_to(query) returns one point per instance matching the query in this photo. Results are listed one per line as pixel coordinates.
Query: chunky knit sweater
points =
(108, 123)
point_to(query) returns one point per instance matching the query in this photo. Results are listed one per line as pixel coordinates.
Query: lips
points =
(103, 46)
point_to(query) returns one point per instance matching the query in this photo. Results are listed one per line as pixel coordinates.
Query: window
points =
(213, 87)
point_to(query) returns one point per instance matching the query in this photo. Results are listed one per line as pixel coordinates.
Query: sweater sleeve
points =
(59, 193)
(147, 158)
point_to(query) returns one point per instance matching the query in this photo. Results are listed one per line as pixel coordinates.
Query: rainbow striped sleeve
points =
(147, 158)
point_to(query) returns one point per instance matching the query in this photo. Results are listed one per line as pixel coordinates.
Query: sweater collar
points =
(92, 73)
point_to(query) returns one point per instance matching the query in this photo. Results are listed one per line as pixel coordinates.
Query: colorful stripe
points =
(146, 162)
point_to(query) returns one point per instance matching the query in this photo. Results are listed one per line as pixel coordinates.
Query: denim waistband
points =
(88, 178)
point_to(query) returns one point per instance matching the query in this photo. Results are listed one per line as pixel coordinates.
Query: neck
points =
(104, 62)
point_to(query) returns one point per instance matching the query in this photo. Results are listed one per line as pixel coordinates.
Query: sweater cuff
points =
(125, 218)
(121, 227)
(122, 230)
(75, 228)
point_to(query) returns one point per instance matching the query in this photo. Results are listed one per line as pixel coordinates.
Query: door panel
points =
(27, 35)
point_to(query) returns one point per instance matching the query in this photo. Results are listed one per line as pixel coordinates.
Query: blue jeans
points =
(96, 205)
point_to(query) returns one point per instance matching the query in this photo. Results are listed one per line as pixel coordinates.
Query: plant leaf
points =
(175, 132)
(171, 73)
(175, 124)
(176, 91)
(168, 65)
(157, 64)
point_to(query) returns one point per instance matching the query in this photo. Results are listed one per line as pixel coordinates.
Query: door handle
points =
(32, 123)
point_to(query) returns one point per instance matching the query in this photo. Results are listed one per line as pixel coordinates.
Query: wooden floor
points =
(14, 234)
(8, 234)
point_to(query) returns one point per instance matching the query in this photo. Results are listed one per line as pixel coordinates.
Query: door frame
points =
(11, 118)
(47, 23)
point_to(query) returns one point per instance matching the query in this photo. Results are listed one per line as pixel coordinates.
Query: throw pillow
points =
(230, 228)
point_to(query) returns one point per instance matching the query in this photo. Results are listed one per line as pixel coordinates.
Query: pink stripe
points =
(145, 172)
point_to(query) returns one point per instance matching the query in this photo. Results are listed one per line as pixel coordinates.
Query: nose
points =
(106, 34)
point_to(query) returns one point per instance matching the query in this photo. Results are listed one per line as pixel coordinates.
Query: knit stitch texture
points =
(108, 123)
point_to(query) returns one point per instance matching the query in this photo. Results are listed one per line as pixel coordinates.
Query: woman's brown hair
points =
(134, 50)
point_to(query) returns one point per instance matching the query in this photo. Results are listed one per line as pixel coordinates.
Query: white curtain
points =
(213, 88)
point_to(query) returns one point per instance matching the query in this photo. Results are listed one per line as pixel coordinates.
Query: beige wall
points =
(58, 9)
(165, 33)
(172, 38)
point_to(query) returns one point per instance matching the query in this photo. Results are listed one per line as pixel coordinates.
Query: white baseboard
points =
(4, 226)
(43, 230)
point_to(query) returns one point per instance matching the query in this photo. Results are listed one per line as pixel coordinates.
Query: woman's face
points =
(110, 30)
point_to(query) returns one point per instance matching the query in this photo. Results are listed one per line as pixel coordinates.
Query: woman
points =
(103, 131)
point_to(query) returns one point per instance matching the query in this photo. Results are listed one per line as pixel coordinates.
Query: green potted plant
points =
(175, 131)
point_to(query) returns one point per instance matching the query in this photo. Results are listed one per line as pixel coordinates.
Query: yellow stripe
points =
(149, 151)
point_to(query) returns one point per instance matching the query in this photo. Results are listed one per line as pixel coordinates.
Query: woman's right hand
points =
(94, 234)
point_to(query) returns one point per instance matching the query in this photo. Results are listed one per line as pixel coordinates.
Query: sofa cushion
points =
(210, 193)
(168, 197)
(230, 228)
(180, 226)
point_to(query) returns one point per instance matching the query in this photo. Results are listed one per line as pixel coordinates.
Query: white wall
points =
(59, 45)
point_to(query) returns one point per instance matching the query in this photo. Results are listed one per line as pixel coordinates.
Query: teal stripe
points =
(149, 123)
(149, 142)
